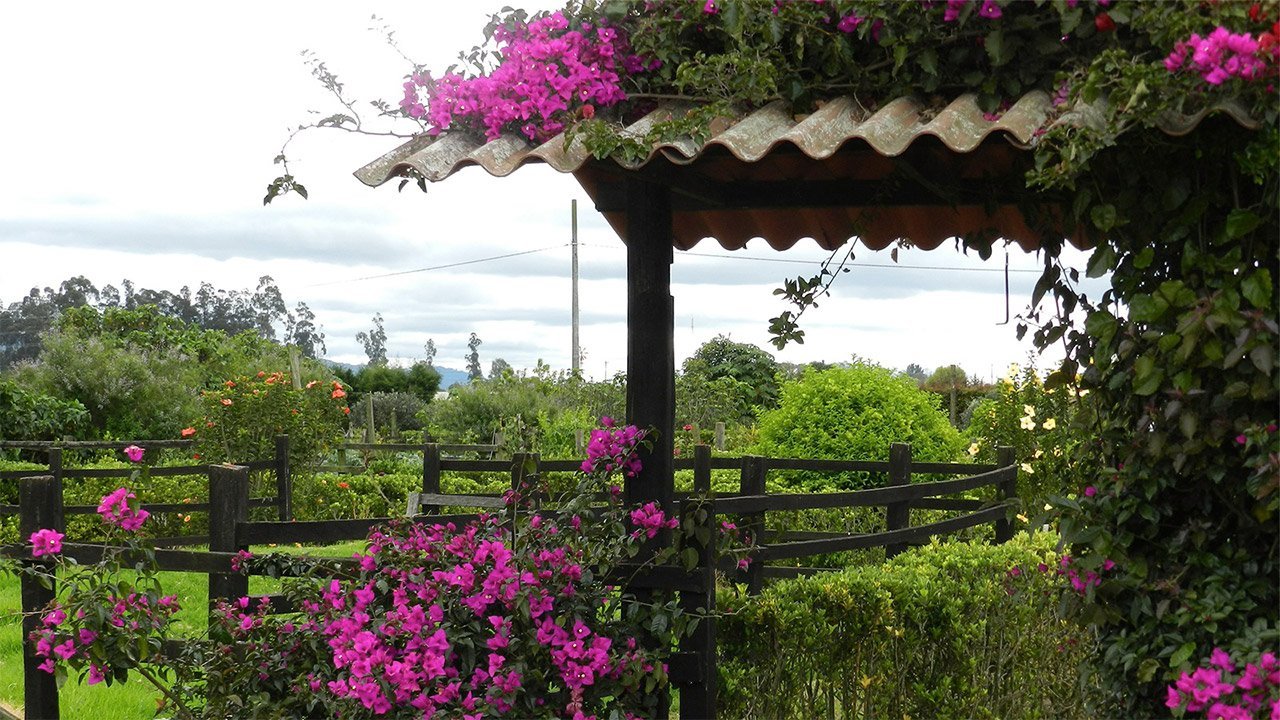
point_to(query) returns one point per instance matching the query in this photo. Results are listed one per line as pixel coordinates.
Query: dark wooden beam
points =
(651, 397)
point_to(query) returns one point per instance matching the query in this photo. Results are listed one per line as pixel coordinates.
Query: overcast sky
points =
(137, 142)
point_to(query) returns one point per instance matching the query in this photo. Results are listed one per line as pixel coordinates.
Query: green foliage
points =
(1042, 427)
(128, 391)
(756, 369)
(855, 413)
(29, 416)
(945, 631)
(530, 409)
(240, 420)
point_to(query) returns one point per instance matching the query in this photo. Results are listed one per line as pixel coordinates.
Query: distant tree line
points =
(261, 311)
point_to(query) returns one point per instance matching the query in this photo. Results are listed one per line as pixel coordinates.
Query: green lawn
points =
(134, 699)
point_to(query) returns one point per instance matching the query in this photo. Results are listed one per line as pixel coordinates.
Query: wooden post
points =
(651, 394)
(430, 475)
(55, 468)
(720, 436)
(752, 482)
(368, 418)
(698, 696)
(702, 469)
(579, 446)
(39, 507)
(228, 507)
(898, 515)
(395, 426)
(1006, 490)
(295, 366)
(284, 479)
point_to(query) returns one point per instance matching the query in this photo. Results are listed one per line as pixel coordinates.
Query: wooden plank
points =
(452, 448)
(822, 465)
(935, 468)
(309, 532)
(228, 508)
(858, 498)
(660, 577)
(807, 548)
(40, 499)
(897, 515)
(559, 465)
(962, 504)
(92, 444)
(455, 465)
(169, 507)
(125, 472)
(481, 501)
(284, 478)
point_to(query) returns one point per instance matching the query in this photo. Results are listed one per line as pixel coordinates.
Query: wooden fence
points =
(693, 669)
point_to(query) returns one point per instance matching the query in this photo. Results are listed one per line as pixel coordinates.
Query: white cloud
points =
(142, 142)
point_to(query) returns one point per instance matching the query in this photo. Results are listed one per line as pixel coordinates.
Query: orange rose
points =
(188, 432)
(226, 401)
(339, 393)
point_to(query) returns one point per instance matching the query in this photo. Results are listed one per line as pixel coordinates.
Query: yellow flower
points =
(1026, 468)
(1028, 423)
(973, 449)
(1038, 453)
(1050, 424)
(1057, 452)
(1022, 517)
(1030, 410)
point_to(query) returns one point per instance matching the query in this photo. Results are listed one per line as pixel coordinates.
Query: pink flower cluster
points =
(1212, 689)
(547, 71)
(116, 510)
(130, 614)
(45, 542)
(1221, 55)
(649, 519)
(433, 625)
(1082, 582)
(990, 9)
(613, 449)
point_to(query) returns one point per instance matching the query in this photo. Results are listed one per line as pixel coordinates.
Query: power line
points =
(438, 267)
(893, 266)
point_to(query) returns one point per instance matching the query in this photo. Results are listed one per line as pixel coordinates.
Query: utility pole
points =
(576, 351)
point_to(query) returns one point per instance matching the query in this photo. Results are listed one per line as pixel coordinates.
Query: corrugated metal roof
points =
(912, 169)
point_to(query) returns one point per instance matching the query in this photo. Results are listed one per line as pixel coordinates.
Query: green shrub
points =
(27, 415)
(944, 631)
(854, 413)
(1039, 424)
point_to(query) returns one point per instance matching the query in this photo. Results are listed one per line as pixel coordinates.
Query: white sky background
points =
(137, 139)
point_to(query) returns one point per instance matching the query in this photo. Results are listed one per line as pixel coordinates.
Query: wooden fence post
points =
(898, 515)
(579, 444)
(430, 475)
(752, 483)
(55, 467)
(698, 696)
(284, 479)
(228, 507)
(368, 419)
(1006, 490)
(39, 507)
(720, 436)
(702, 469)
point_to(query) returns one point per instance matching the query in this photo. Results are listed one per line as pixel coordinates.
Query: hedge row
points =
(955, 630)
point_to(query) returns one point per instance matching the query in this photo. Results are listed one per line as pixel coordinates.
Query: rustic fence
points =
(693, 669)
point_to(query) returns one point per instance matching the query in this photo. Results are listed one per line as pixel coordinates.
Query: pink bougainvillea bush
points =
(519, 615)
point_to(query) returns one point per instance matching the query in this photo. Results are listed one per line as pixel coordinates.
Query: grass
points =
(134, 699)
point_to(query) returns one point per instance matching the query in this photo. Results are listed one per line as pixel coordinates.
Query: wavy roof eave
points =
(891, 130)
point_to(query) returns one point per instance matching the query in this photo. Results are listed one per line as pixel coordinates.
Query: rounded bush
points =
(855, 413)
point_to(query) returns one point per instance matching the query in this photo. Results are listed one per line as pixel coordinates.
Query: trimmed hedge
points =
(944, 631)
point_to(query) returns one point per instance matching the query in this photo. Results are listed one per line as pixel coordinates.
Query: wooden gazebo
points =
(907, 171)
